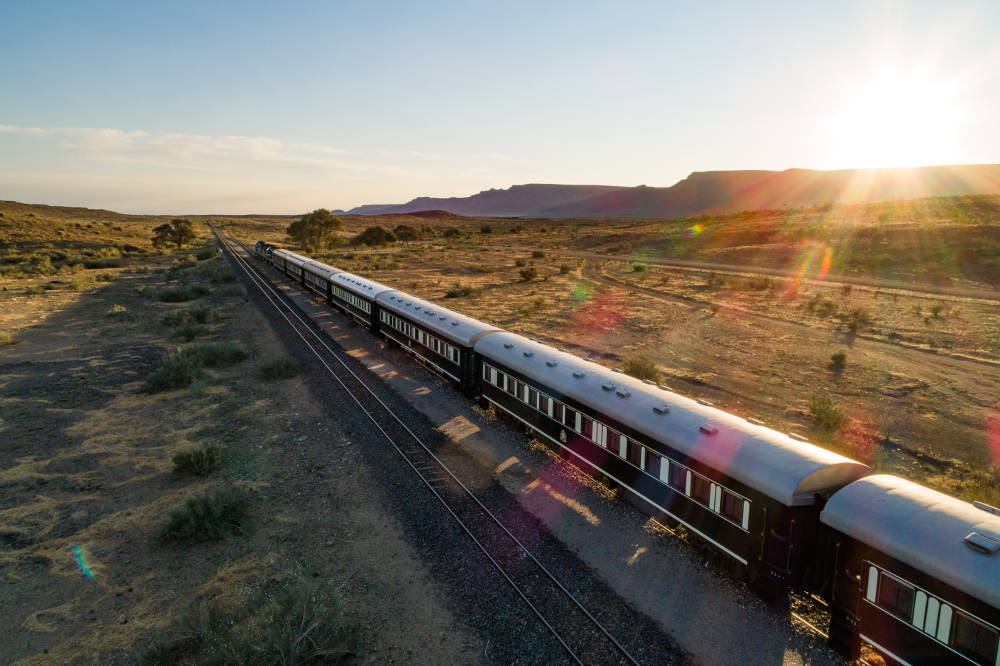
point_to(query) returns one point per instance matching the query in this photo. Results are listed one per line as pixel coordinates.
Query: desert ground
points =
(882, 344)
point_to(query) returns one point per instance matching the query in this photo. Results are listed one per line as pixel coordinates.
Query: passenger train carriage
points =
(744, 488)
(437, 335)
(916, 573)
(909, 572)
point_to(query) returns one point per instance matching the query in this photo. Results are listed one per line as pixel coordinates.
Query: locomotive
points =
(906, 571)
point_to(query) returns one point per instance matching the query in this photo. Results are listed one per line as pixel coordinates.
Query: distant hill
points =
(713, 192)
(732, 191)
(527, 200)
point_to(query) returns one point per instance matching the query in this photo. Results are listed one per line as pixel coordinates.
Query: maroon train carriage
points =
(753, 493)
(439, 337)
(917, 573)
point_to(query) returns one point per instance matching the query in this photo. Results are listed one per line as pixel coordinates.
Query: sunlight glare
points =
(896, 118)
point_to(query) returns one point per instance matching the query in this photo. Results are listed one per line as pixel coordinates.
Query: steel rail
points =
(264, 286)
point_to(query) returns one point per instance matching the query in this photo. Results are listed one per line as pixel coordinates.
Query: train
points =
(905, 571)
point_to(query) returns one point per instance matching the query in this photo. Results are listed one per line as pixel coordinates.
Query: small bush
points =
(486, 229)
(639, 268)
(184, 293)
(452, 232)
(81, 282)
(174, 318)
(538, 254)
(279, 368)
(206, 252)
(188, 331)
(459, 291)
(373, 236)
(519, 262)
(563, 269)
(516, 229)
(641, 367)
(117, 311)
(197, 461)
(288, 620)
(529, 274)
(107, 277)
(6, 340)
(824, 411)
(201, 314)
(208, 517)
(183, 367)
(838, 359)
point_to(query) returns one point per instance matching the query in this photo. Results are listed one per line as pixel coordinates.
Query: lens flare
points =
(694, 230)
(81, 562)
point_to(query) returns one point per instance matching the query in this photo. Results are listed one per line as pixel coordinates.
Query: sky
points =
(265, 107)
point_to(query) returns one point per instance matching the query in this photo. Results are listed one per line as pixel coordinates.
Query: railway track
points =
(582, 637)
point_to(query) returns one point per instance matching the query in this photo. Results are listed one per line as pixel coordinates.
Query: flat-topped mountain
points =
(713, 192)
(527, 200)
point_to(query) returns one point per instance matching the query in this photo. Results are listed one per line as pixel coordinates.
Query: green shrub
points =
(201, 314)
(279, 368)
(188, 331)
(287, 620)
(208, 517)
(184, 293)
(838, 359)
(824, 411)
(486, 229)
(529, 274)
(197, 461)
(639, 268)
(174, 318)
(538, 254)
(6, 339)
(107, 277)
(459, 291)
(641, 367)
(452, 232)
(857, 318)
(564, 269)
(373, 236)
(81, 282)
(184, 366)
(117, 311)
(519, 262)
(206, 252)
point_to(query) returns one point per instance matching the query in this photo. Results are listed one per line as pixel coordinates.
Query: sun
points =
(895, 117)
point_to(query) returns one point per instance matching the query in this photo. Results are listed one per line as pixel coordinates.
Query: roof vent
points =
(664, 387)
(508, 345)
(616, 369)
(797, 436)
(986, 507)
(608, 386)
(528, 354)
(442, 317)
(982, 543)
(649, 381)
(561, 349)
(709, 429)
(623, 393)
(661, 409)
(754, 421)
(578, 374)
(587, 358)
(454, 323)
(552, 363)
(703, 402)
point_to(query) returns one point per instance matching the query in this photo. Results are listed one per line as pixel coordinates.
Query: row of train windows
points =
(953, 627)
(357, 302)
(731, 506)
(439, 346)
(314, 280)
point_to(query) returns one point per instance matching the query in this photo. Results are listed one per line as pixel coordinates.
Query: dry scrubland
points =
(906, 380)
(107, 431)
(158, 499)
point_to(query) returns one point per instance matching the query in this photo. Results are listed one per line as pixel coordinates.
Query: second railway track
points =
(580, 634)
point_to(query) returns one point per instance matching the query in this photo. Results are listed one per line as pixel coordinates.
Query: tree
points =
(374, 236)
(314, 229)
(178, 231)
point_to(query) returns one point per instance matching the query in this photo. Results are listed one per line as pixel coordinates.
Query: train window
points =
(931, 617)
(587, 428)
(545, 404)
(633, 452)
(701, 489)
(973, 639)
(511, 385)
(569, 418)
(652, 465)
(557, 411)
(732, 506)
(533, 398)
(678, 477)
(895, 596)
